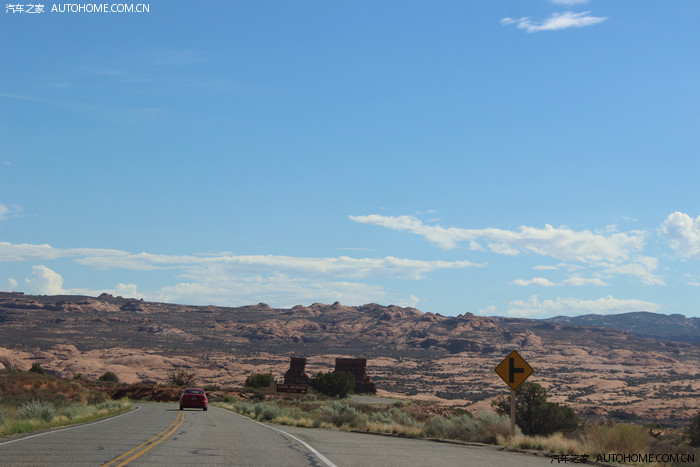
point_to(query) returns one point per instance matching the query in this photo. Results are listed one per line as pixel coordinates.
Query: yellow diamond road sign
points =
(514, 370)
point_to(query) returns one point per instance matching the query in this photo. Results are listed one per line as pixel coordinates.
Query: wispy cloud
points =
(556, 22)
(556, 242)
(540, 281)
(9, 211)
(642, 267)
(536, 308)
(578, 281)
(278, 290)
(546, 268)
(612, 252)
(342, 266)
(575, 281)
(225, 278)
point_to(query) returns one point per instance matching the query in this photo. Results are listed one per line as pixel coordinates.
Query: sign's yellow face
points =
(514, 370)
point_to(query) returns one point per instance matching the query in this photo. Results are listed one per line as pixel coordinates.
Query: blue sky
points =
(520, 158)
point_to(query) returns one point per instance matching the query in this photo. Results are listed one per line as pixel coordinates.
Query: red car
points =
(194, 398)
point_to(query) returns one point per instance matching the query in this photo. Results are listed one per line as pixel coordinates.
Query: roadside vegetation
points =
(260, 380)
(564, 433)
(411, 419)
(34, 400)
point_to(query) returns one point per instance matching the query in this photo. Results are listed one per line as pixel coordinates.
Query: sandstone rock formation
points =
(297, 372)
(358, 367)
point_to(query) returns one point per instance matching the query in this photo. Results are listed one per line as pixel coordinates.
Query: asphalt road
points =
(159, 434)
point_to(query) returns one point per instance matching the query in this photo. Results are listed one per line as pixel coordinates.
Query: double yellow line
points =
(147, 445)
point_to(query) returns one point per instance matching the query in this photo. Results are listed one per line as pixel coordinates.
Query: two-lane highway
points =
(159, 434)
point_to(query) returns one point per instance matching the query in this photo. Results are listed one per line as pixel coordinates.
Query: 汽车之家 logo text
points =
(78, 8)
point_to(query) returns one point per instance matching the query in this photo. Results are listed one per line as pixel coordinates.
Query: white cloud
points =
(127, 290)
(444, 238)
(683, 234)
(490, 310)
(44, 281)
(10, 252)
(642, 267)
(561, 242)
(343, 266)
(556, 21)
(578, 281)
(575, 281)
(223, 278)
(534, 308)
(9, 211)
(411, 301)
(12, 284)
(540, 281)
(277, 290)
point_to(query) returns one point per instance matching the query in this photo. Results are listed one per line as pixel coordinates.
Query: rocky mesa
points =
(599, 371)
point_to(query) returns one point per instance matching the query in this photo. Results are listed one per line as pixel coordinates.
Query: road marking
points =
(149, 444)
(318, 455)
(70, 427)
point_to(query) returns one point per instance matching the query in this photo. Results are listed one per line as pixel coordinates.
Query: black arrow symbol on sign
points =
(512, 370)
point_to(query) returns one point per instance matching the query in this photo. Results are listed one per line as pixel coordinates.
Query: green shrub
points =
(490, 427)
(38, 410)
(693, 431)
(258, 395)
(259, 380)
(181, 377)
(74, 411)
(109, 377)
(534, 415)
(393, 416)
(340, 413)
(36, 368)
(455, 427)
(109, 405)
(229, 398)
(95, 396)
(484, 429)
(337, 383)
(2, 417)
(266, 412)
(245, 408)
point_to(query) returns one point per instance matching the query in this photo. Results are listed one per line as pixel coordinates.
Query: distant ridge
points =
(592, 363)
(643, 323)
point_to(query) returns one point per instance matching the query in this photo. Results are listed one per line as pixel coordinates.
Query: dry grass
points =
(18, 422)
(615, 437)
(555, 443)
(396, 429)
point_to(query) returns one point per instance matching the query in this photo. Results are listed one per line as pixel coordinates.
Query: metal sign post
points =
(512, 413)
(513, 370)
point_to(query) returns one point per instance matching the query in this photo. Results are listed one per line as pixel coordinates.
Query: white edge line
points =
(320, 456)
(70, 427)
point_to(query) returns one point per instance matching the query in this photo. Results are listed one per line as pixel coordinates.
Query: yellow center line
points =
(146, 445)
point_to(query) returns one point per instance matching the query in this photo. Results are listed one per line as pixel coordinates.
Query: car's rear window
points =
(194, 391)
